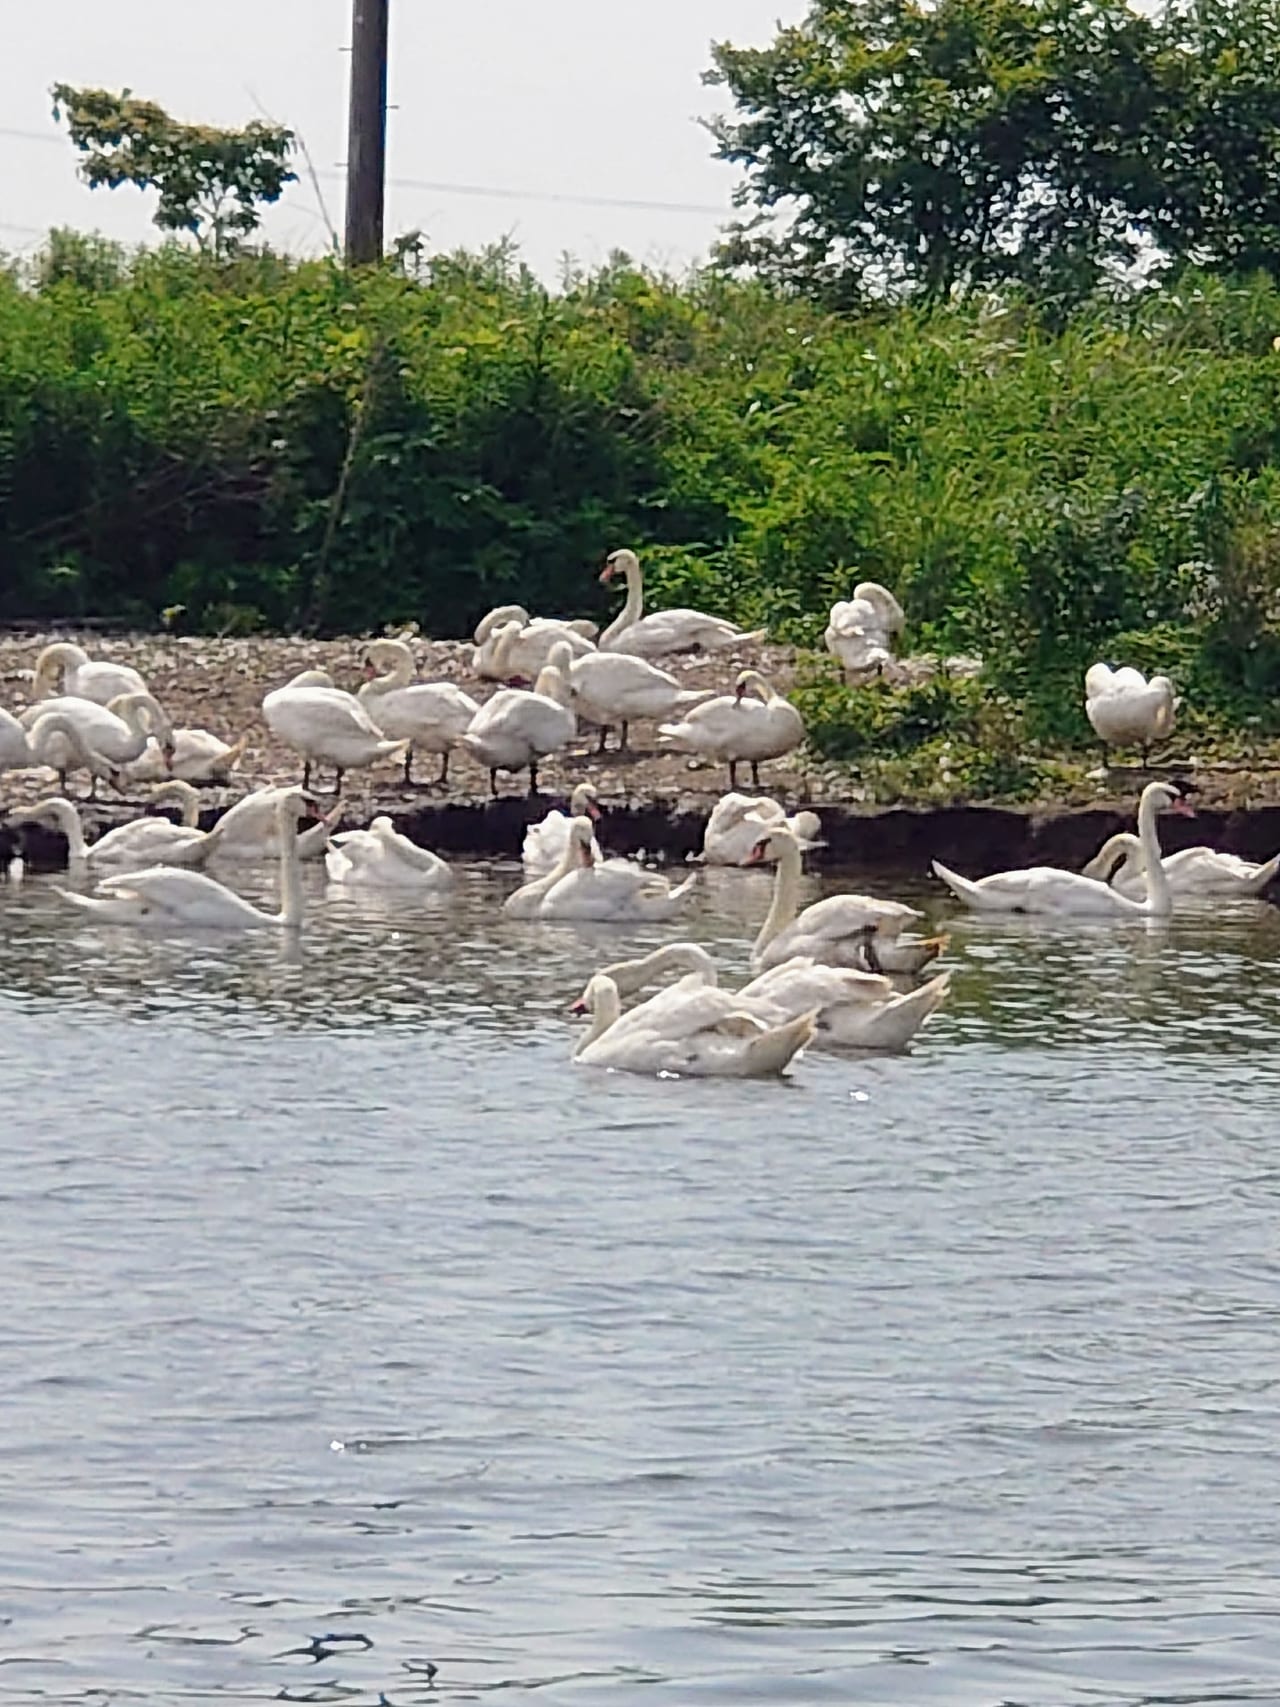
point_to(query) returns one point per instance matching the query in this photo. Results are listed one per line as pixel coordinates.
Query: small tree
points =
(211, 181)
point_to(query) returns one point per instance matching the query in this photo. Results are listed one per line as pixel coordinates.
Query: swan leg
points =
(755, 774)
(871, 960)
(733, 774)
(533, 777)
(443, 778)
(604, 731)
(622, 744)
(306, 776)
(337, 782)
(408, 767)
(493, 782)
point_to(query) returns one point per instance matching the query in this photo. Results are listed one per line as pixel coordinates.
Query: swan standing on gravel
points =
(545, 842)
(734, 1044)
(82, 677)
(738, 821)
(327, 726)
(1068, 894)
(734, 728)
(433, 716)
(1191, 873)
(843, 930)
(616, 687)
(858, 1010)
(53, 741)
(114, 734)
(198, 756)
(247, 830)
(513, 648)
(861, 629)
(1127, 710)
(662, 632)
(381, 858)
(519, 726)
(164, 895)
(144, 841)
(579, 888)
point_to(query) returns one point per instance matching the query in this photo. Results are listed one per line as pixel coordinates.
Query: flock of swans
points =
(849, 969)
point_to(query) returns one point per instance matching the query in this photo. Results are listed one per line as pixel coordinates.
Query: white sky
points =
(544, 98)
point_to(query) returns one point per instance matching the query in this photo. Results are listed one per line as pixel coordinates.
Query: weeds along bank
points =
(265, 444)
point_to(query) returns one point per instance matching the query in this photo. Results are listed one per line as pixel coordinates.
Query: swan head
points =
(1172, 796)
(388, 650)
(623, 562)
(582, 802)
(63, 654)
(601, 991)
(775, 844)
(748, 679)
(560, 657)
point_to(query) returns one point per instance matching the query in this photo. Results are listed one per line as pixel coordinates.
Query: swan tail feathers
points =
(961, 886)
(1265, 874)
(774, 1049)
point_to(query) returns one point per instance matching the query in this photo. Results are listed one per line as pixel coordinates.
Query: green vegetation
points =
(258, 443)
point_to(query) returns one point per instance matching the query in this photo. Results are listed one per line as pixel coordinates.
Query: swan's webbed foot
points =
(443, 778)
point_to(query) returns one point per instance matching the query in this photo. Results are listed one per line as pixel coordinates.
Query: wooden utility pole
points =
(367, 132)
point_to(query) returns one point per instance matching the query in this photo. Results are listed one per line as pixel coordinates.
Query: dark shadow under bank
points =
(973, 839)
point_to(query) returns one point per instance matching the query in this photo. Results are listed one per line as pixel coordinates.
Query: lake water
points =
(350, 1332)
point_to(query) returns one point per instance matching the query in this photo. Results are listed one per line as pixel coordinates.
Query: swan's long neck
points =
(606, 1005)
(53, 661)
(186, 797)
(569, 858)
(290, 914)
(782, 910)
(632, 609)
(52, 724)
(398, 675)
(631, 975)
(67, 819)
(1159, 899)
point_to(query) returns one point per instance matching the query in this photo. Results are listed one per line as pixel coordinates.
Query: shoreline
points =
(650, 800)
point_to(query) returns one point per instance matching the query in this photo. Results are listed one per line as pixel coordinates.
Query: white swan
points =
(510, 647)
(198, 756)
(433, 716)
(144, 841)
(519, 726)
(580, 888)
(381, 858)
(861, 629)
(117, 732)
(1126, 709)
(545, 842)
(1046, 889)
(616, 687)
(843, 930)
(82, 677)
(164, 895)
(738, 821)
(666, 631)
(735, 728)
(247, 830)
(1191, 872)
(53, 741)
(856, 1009)
(326, 726)
(734, 1044)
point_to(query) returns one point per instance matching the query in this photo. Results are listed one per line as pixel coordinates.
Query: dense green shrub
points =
(263, 442)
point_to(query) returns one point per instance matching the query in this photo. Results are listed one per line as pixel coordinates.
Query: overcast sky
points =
(590, 99)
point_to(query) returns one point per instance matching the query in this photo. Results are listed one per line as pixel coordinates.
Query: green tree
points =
(908, 148)
(211, 181)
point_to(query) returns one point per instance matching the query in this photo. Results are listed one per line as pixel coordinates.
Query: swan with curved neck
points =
(737, 727)
(858, 931)
(432, 716)
(145, 841)
(662, 632)
(732, 1043)
(515, 649)
(738, 821)
(1046, 889)
(861, 629)
(1192, 873)
(55, 741)
(1126, 709)
(855, 1009)
(326, 726)
(381, 858)
(117, 732)
(81, 676)
(165, 895)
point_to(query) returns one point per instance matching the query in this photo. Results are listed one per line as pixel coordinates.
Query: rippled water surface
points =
(350, 1332)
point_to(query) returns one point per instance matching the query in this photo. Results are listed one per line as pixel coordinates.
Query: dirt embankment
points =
(651, 799)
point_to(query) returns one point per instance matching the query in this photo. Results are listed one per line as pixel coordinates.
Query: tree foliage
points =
(894, 147)
(211, 182)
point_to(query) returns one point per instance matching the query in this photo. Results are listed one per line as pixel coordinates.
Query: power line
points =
(491, 192)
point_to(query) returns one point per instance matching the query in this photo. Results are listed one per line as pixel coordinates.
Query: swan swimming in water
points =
(738, 821)
(381, 858)
(579, 888)
(143, 842)
(1192, 873)
(545, 842)
(1068, 894)
(168, 896)
(729, 1043)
